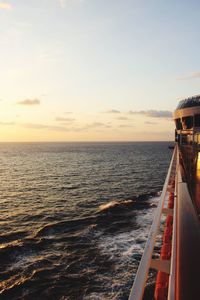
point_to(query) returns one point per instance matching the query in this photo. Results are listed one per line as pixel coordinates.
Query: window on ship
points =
(197, 120)
(178, 124)
(187, 122)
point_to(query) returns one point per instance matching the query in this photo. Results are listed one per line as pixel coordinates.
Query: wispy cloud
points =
(5, 5)
(150, 123)
(194, 75)
(126, 126)
(29, 102)
(97, 125)
(92, 126)
(153, 113)
(7, 123)
(43, 126)
(122, 118)
(61, 119)
(113, 111)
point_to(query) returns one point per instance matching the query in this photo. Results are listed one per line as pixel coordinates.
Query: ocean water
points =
(75, 217)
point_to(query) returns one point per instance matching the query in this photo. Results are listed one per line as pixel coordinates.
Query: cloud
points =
(191, 76)
(61, 119)
(150, 123)
(153, 113)
(43, 126)
(122, 118)
(38, 126)
(94, 125)
(7, 123)
(5, 5)
(97, 125)
(113, 111)
(29, 102)
(126, 126)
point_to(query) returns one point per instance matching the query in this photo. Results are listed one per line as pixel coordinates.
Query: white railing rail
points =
(139, 284)
(171, 292)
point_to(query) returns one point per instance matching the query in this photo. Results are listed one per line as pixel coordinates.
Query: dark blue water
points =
(75, 217)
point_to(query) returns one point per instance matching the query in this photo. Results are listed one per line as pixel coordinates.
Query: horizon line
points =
(120, 141)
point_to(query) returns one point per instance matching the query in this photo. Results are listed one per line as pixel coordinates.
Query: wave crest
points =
(115, 203)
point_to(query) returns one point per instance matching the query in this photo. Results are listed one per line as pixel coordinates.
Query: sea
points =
(74, 217)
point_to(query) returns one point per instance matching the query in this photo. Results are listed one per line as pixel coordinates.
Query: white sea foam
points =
(127, 244)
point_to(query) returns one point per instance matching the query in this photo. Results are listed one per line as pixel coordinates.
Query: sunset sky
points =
(96, 70)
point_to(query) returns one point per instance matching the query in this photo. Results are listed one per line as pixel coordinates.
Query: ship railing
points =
(147, 262)
(172, 273)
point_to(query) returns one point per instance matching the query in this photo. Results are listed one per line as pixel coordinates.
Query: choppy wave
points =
(61, 235)
(83, 258)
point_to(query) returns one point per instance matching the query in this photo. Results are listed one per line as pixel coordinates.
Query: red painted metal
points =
(162, 279)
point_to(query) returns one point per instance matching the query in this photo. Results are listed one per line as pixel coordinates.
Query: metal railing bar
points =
(171, 292)
(143, 269)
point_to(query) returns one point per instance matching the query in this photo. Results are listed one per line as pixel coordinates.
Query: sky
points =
(96, 70)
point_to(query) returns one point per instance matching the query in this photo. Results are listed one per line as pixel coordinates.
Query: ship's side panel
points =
(188, 246)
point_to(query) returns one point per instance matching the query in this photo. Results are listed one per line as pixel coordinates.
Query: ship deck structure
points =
(176, 222)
